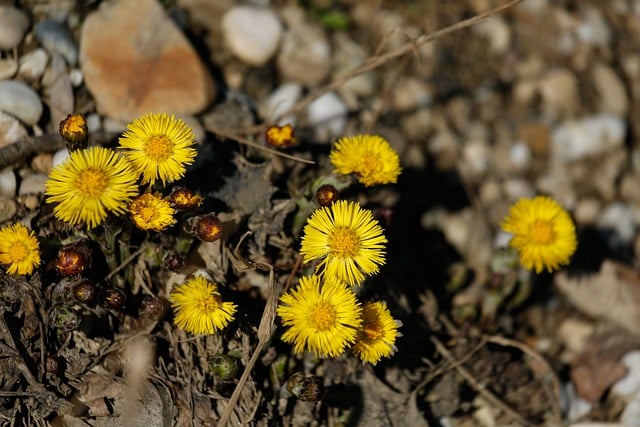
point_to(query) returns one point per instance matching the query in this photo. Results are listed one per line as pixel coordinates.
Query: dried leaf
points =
(249, 188)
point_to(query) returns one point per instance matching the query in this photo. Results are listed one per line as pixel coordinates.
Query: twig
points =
(480, 388)
(553, 397)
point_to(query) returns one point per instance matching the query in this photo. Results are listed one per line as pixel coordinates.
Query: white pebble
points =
(11, 130)
(252, 33)
(520, 155)
(280, 101)
(13, 25)
(33, 64)
(630, 384)
(8, 183)
(621, 218)
(329, 115)
(19, 100)
(93, 122)
(75, 77)
(592, 136)
(33, 184)
(59, 157)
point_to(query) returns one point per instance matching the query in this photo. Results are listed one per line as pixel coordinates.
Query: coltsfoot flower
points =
(198, 307)
(280, 136)
(159, 146)
(19, 249)
(151, 212)
(543, 233)
(90, 184)
(322, 316)
(370, 157)
(377, 335)
(347, 239)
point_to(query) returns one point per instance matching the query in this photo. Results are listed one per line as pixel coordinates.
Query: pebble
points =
(138, 68)
(56, 38)
(58, 90)
(8, 183)
(410, 94)
(612, 91)
(587, 211)
(620, 218)
(42, 163)
(8, 209)
(94, 122)
(329, 116)
(347, 55)
(11, 130)
(13, 26)
(520, 156)
(305, 54)
(592, 136)
(19, 100)
(252, 34)
(33, 184)
(497, 33)
(33, 64)
(8, 68)
(559, 91)
(280, 101)
(59, 157)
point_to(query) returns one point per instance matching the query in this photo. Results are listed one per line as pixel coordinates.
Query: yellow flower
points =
(199, 308)
(151, 212)
(280, 136)
(89, 184)
(19, 249)
(159, 146)
(370, 157)
(543, 233)
(322, 317)
(348, 240)
(377, 335)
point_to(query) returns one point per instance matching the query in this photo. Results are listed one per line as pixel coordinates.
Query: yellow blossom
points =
(159, 146)
(321, 316)
(280, 136)
(377, 335)
(19, 249)
(370, 157)
(89, 184)
(347, 239)
(543, 233)
(198, 307)
(151, 212)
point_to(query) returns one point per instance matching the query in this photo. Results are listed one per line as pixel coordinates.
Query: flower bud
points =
(73, 258)
(74, 131)
(280, 136)
(184, 199)
(84, 291)
(172, 261)
(151, 307)
(114, 299)
(207, 228)
(224, 367)
(326, 195)
(306, 389)
(64, 318)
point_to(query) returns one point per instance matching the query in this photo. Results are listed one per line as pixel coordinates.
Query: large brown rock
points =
(135, 60)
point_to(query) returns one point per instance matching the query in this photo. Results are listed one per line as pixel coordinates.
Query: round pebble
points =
(33, 184)
(329, 116)
(8, 183)
(19, 100)
(252, 33)
(33, 64)
(13, 25)
(11, 130)
(8, 209)
(56, 38)
(280, 101)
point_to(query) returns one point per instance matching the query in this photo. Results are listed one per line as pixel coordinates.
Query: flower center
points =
(147, 213)
(18, 252)
(158, 148)
(323, 316)
(370, 162)
(373, 331)
(208, 304)
(542, 232)
(344, 243)
(92, 182)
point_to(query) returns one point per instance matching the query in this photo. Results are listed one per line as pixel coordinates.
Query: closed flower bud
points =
(114, 299)
(64, 318)
(73, 258)
(151, 307)
(84, 291)
(184, 199)
(207, 228)
(74, 131)
(172, 261)
(224, 367)
(306, 389)
(326, 195)
(280, 136)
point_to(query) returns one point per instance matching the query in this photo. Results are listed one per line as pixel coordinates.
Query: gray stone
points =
(32, 184)
(56, 38)
(8, 183)
(11, 130)
(33, 64)
(19, 100)
(329, 116)
(13, 25)
(252, 34)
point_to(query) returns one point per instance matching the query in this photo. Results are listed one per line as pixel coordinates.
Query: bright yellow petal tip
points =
(543, 233)
(19, 249)
(89, 184)
(370, 157)
(159, 146)
(347, 239)
(199, 308)
(151, 212)
(377, 336)
(322, 316)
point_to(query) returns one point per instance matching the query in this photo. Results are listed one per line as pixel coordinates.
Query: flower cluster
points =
(19, 249)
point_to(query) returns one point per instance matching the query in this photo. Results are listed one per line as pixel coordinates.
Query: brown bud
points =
(326, 195)
(151, 307)
(74, 131)
(184, 199)
(114, 298)
(172, 261)
(73, 258)
(306, 389)
(84, 291)
(207, 228)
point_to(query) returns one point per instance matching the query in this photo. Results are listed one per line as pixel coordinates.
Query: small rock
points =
(11, 130)
(305, 53)
(8, 68)
(497, 32)
(13, 26)
(59, 157)
(621, 218)
(630, 384)
(329, 116)
(113, 125)
(411, 93)
(613, 94)
(19, 100)
(591, 136)
(8, 209)
(56, 38)
(559, 91)
(94, 122)
(42, 163)
(30, 201)
(476, 155)
(280, 101)
(8, 183)
(347, 56)
(33, 184)
(252, 34)
(137, 68)
(59, 91)
(75, 77)
(587, 211)
(593, 28)
(520, 156)
(33, 64)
